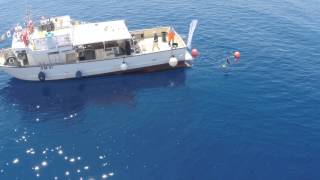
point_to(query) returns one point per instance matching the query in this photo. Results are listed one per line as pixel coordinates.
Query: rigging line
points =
(28, 12)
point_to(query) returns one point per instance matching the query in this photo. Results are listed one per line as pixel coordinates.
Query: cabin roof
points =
(100, 32)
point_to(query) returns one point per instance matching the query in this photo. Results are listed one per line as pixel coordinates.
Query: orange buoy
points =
(236, 55)
(194, 53)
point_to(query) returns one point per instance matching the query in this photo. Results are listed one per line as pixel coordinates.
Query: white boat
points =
(60, 48)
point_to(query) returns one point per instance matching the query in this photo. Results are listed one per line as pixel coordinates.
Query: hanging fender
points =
(42, 76)
(173, 61)
(78, 74)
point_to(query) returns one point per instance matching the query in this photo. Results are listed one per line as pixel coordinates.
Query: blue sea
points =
(256, 119)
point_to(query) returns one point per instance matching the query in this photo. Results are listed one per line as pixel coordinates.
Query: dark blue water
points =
(258, 119)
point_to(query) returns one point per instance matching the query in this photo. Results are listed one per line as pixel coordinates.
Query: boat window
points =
(87, 54)
(111, 44)
(128, 49)
(22, 56)
(94, 46)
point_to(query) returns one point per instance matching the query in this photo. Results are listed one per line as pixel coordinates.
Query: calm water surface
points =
(259, 119)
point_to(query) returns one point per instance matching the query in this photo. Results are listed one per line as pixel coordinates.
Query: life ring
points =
(42, 76)
(24, 38)
(78, 74)
(12, 61)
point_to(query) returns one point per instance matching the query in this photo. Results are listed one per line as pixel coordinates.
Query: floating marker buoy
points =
(194, 53)
(42, 76)
(236, 55)
(173, 62)
(124, 66)
(78, 74)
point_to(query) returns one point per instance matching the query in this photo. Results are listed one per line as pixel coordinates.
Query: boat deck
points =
(146, 43)
(146, 46)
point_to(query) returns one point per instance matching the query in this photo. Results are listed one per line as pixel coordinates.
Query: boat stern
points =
(188, 56)
(2, 58)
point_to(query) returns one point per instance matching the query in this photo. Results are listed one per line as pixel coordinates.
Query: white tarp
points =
(100, 32)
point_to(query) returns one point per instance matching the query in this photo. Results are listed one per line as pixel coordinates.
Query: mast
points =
(28, 16)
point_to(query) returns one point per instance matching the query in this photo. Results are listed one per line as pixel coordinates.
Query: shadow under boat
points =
(63, 97)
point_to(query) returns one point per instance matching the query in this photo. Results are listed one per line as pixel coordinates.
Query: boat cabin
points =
(98, 41)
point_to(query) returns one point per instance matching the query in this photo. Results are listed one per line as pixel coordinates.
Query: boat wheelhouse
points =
(61, 48)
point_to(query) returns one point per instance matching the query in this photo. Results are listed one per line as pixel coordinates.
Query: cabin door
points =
(54, 58)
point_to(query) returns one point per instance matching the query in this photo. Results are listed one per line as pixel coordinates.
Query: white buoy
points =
(124, 66)
(173, 62)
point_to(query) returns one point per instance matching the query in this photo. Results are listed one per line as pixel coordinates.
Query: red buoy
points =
(194, 53)
(236, 55)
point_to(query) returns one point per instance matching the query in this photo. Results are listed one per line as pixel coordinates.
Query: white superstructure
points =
(60, 48)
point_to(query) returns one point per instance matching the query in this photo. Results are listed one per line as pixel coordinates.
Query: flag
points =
(9, 34)
(192, 28)
(3, 37)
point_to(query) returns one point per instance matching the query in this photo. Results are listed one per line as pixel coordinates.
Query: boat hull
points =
(139, 63)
